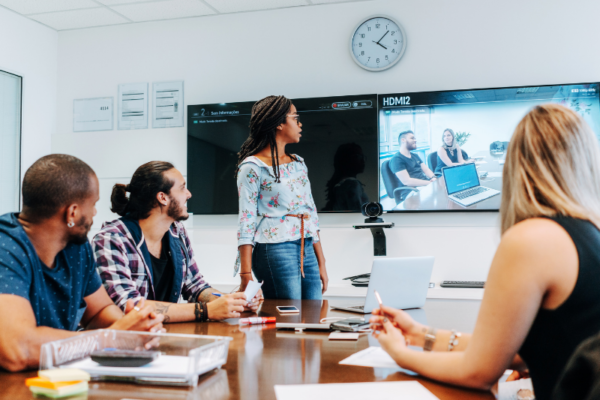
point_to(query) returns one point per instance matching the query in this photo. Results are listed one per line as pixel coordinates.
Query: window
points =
(10, 141)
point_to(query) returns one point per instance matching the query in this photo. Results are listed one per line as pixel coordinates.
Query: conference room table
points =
(261, 357)
(435, 197)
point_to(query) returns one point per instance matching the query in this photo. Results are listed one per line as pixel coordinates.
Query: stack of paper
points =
(58, 383)
(407, 390)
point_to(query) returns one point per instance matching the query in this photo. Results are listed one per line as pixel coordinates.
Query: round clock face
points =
(378, 43)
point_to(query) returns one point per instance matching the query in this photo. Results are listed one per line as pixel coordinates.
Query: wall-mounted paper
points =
(167, 101)
(91, 115)
(133, 106)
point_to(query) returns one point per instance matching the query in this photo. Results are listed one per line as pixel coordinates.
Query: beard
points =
(175, 211)
(81, 238)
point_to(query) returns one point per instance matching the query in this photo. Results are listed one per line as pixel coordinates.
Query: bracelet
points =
(242, 273)
(197, 312)
(204, 312)
(453, 339)
(430, 337)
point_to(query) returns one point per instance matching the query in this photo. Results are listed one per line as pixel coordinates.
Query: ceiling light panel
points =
(42, 6)
(335, 1)
(119, 2)
(159, 10)
(80, 18)
(230, 6)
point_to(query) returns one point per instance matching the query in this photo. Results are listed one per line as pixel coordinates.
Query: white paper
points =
(251, 290)
(167, 103)
(90, 115)
(406, 390)
(133, 106)
(164, 366)
(508, 390)
(344, 336)
(374, 357)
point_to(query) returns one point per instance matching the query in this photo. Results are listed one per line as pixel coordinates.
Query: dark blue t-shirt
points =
(56, 295)
(399, 162)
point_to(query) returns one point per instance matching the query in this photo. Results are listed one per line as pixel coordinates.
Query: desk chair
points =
(432, 160)
(394, 188)
(581, 377)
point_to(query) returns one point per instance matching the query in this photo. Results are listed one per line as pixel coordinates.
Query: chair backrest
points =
(464, 154)
(390, 180)
(432, 160)
(580, 378)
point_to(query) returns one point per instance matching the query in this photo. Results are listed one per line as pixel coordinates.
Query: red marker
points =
(258, 320)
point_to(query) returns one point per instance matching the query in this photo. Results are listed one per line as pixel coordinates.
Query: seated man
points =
(407, 166)
(147, 253)
(48, 279)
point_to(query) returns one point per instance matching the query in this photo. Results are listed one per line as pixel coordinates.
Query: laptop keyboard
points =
(471, 192)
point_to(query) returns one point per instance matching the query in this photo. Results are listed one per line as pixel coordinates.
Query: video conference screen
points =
(452, 128)
(338, 144)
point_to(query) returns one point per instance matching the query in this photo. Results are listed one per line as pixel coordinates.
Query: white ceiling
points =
(76, 14)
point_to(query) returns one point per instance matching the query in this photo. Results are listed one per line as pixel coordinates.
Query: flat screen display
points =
(338, 144)
(480, 121)
(461, 178)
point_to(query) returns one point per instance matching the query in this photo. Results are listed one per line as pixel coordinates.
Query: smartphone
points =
(350, 325)
(287, 309)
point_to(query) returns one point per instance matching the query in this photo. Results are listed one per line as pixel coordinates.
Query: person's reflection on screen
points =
(344, 191)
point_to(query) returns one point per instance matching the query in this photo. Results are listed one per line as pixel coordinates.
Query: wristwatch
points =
(430, 337)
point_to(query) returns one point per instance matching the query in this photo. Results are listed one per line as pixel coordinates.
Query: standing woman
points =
(283, 249)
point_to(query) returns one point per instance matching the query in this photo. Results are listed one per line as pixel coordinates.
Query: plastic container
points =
(204, 353)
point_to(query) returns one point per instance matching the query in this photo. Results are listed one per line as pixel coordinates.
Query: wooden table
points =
(261, 357)
(435, 197)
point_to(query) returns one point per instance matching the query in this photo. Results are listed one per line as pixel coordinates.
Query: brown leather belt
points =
(302, 218)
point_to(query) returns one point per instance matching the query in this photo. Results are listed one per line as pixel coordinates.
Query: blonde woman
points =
(541, 298)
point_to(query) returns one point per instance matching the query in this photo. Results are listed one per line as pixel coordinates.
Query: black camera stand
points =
(376, 225)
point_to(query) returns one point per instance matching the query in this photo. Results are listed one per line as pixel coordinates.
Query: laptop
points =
(463, 186)
(401, 283)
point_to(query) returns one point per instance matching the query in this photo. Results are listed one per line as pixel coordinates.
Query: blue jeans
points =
(278, 265)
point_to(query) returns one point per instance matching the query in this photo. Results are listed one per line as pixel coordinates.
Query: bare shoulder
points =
(539, 240)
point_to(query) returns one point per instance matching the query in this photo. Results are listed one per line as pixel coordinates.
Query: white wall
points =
(29, 49)
(303, 52)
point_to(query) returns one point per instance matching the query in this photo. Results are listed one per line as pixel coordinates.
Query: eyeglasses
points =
(296, 117)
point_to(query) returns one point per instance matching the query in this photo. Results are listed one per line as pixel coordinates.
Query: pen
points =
(380, 304)
(217, 294)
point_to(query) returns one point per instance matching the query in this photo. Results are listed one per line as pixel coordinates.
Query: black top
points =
(412, 165)
(555, 334)
(162, 272)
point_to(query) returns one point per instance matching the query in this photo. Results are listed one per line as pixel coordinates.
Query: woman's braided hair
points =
(267, 115)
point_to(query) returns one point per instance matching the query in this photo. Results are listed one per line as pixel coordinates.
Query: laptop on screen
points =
(401, 282)
(463, 186)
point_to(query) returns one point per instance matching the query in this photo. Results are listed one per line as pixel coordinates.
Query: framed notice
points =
(90, 115)
(133, 106)
(167, 101)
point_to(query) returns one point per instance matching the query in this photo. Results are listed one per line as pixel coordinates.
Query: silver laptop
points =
(401, 283)
(463, 186)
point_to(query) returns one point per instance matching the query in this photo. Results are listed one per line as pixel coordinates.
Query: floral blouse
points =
(264, 203)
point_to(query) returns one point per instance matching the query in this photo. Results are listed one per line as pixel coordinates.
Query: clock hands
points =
(380, 44)
(383, 36)
(381, 40)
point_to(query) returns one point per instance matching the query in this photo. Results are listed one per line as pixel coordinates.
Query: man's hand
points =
(228, 306)
(139, 318)
(253, 304)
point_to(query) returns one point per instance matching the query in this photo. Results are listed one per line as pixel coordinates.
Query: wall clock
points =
(378, 43)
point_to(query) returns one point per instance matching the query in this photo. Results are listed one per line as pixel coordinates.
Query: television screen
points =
(338, 144)
(443, 129)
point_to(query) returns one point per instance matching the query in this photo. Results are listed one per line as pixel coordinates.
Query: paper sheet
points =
(407, 390)
(344, 336)
(374, 357)
(251, 290)
(508, 390)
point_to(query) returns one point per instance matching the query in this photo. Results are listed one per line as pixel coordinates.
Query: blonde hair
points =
(552, 168)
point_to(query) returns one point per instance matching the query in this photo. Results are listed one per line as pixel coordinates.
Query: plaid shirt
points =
(123, 264)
